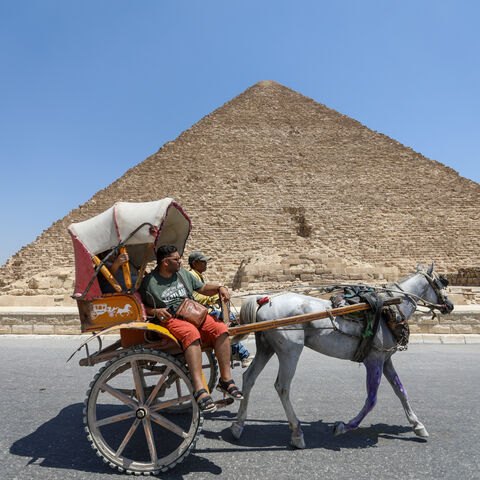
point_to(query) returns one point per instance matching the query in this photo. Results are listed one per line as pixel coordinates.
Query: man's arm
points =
(205, 299)
(210, 290)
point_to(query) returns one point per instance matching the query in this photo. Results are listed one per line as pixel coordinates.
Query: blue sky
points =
(89, 89)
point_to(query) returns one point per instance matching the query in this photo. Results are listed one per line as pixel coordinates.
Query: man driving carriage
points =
(163, 291)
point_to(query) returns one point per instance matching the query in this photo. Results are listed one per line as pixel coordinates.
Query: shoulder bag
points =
(190, 310)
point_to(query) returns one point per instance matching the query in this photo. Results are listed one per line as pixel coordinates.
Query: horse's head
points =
(436, 292)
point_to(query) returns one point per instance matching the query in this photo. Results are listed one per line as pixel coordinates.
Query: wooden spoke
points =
(161, 420)
(138, 381)
(147, 426)
(158, 386)
(136, 399)
(179, 387)
(115, 418)
(119, 395)
(127, 438)
(170, 403)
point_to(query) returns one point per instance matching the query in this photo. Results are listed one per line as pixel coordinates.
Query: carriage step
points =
(224, 402)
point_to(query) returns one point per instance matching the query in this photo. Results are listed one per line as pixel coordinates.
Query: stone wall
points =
(65, 321)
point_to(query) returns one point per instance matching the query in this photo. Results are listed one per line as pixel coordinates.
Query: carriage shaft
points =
(307, 317)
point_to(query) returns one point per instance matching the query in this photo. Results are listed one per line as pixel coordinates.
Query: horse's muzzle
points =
(447, 306)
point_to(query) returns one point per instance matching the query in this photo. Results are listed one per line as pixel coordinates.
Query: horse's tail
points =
(248, 314)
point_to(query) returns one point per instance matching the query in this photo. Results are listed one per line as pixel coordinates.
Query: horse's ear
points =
(430, 268)
(419, 267)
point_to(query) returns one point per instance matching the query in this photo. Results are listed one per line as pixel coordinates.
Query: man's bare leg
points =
(193, 356)
(222, 351)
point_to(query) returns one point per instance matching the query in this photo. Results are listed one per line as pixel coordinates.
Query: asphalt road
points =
(42, 432)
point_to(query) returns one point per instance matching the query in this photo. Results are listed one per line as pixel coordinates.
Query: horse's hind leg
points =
(262, 356)
(374, 368)
(288, 360)
(398, 388)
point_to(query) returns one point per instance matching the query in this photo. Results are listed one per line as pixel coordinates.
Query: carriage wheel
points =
(127, 415)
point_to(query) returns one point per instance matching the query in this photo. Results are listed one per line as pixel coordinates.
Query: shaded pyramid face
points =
(281, 188)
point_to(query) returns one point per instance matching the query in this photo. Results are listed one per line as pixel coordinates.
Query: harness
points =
(393, 316)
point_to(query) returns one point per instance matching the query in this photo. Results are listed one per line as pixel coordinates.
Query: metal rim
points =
(127, 415)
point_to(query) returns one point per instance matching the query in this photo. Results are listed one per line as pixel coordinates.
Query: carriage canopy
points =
(136, 226)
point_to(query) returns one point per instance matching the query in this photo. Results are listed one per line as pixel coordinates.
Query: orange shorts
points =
(186, 333)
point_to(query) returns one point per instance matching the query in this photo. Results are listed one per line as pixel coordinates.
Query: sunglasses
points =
(175, 259)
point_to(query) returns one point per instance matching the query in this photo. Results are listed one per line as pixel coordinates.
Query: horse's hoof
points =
(237, 430)
(338, 428)
(420, 430)
(297, 442)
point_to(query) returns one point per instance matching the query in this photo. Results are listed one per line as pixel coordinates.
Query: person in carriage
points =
(198, 266)
(163, 291)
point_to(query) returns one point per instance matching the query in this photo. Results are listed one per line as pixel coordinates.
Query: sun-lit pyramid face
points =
(273, 175)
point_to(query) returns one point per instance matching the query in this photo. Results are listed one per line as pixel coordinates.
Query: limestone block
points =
(56, 283)
(306, 277)
(43, 283)
(71, 320)
(11, 319)
(414, 329)
(286, 278)
(67, 330)
(5, 329)
(422, 328)
(463, 329)
(425, 320)
(440, 329)
(43, 329)
(298, 270)
(22, 329)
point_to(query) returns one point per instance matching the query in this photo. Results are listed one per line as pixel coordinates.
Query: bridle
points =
(437, 282)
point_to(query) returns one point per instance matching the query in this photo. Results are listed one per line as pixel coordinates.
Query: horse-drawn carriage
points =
(140, 412)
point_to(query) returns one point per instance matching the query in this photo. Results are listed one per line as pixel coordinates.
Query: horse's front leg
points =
(288, 360)
(398, 388)
(262, 356)
(374, 368)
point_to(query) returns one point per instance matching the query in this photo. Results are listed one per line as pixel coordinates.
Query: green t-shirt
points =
(168, 292)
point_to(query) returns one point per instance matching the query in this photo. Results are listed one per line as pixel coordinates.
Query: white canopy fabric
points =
(106, 230)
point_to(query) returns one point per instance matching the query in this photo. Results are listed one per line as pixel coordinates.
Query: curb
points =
(448, 339)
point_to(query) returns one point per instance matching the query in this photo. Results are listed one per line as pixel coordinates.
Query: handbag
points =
(190, 310)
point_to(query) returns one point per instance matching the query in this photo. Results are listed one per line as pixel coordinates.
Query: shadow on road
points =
(62, 443)
(265, 435)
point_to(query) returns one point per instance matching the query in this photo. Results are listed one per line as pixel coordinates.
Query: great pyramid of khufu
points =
(282, 189)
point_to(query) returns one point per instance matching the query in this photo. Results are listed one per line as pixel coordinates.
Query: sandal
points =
(230, 389)
(205, 401)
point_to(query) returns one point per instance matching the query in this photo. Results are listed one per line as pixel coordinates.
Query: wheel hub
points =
(141, 413)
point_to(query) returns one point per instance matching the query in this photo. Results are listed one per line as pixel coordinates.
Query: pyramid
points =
(280, 189)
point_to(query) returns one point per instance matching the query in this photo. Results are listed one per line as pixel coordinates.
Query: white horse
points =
(288, 342)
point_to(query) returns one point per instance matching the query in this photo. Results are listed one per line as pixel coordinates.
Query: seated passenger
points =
(114, 264)
(198, 265)
(163, 290)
